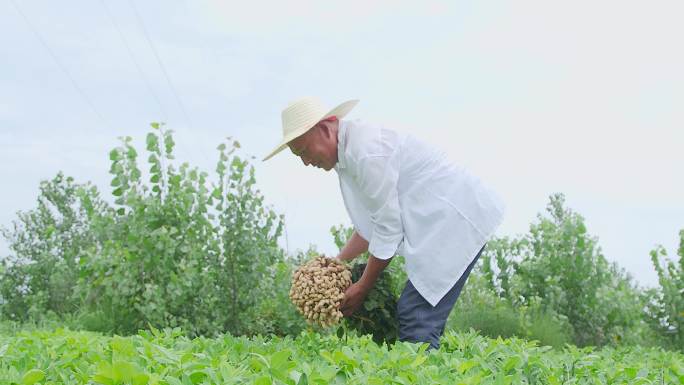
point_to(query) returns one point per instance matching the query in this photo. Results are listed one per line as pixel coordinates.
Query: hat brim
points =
(340, 111)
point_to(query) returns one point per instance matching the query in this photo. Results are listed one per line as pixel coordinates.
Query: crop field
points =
(168, 357)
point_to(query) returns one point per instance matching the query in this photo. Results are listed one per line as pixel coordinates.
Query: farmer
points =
(404, 197)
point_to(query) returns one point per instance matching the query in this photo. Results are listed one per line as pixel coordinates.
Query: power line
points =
(135, 62)
(59, 63)
(201, 40)
(165, 72)
(161, 64)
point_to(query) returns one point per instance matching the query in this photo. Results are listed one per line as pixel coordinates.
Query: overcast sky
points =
(536, 97)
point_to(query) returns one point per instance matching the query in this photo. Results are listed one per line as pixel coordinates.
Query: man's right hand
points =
(353, 298)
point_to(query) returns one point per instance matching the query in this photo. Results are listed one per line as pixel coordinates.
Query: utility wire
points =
(133, 59)
(161, 64)
(165, 72)
(202, 42)
(59, 63)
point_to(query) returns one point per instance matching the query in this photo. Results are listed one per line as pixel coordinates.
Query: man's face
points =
(317, 147)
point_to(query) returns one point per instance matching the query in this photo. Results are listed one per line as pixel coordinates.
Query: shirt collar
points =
(341, 144)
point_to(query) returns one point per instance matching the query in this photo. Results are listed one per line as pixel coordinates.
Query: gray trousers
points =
(421, 322)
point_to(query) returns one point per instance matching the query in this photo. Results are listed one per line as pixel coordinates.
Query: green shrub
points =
(171, 252)
(378, 315)
(500, 321)
(480, 309)
(47, 248)
(547, 328)
(666, 303)
(561, 266)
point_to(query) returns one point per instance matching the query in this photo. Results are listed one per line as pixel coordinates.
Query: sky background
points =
(535, 97)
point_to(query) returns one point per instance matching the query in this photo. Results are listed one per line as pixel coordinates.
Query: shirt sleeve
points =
(377, 178)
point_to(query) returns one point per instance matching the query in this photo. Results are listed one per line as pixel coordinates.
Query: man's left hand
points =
(353, 299)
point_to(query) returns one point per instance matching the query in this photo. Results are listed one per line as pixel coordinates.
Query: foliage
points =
(666, 308)
(378, 315)
(167, 357)
(559, 268)
(171, 252)
(274, 312)
(479, 308)
(482, 310)
(181, 254)
(178, 250)
(395, 269)
(48, 246)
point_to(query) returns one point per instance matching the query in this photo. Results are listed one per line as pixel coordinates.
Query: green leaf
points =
(135, 174)
(131, 154)
(140, 379)
(173, 380)
(220, 168)
(263, 380)
(197, 377)
(467, 365)
(279, 359)
(114, 155)
(123, 370)
(418, 361)
(152, 142)
(511, 363)
(302, 379)
(32, 376)
(105, 374)
(216, 193)
(168, 143)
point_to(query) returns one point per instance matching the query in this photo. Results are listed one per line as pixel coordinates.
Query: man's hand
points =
(356, 293)
(353, 299)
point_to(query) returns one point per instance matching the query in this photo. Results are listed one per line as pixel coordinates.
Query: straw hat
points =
(303, 114)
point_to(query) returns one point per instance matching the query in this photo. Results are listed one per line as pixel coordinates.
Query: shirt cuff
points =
(384, 247)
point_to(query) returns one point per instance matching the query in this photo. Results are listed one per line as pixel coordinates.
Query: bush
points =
(560, 266)
(171, 252)
(378, 315)
(48, 246)
(481, 309)
(274, 313)
(666, 306)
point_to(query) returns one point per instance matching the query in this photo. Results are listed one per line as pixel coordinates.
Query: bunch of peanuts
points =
(318, 288)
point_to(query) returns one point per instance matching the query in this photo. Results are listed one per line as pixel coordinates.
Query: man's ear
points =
(326, 129)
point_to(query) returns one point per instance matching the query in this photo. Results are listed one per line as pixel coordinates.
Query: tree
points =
(48, 244)
(559, 268)
(666, 309)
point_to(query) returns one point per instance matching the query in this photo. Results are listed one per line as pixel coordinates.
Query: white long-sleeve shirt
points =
(405, 197)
